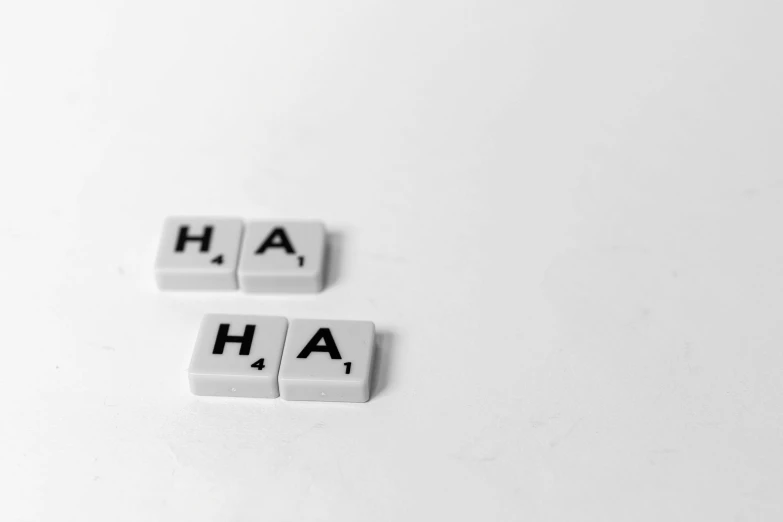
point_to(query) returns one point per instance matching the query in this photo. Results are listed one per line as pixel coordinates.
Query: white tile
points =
(282, 257)
(327, 361)
(237, 356)
(198, 253)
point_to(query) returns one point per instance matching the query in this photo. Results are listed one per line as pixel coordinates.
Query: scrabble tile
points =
(198, 253)
(327, 361)
(237, 356)
(282, 257)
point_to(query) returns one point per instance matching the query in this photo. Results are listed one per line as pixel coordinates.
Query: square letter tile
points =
(237, 356)
(282, 257)
(198, 253)
(327, 361)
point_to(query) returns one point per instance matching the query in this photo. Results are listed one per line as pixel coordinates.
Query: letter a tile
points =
(327, 361)
(285, 257)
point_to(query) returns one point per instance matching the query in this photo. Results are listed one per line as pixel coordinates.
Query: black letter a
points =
(329, 345)
(282, 241)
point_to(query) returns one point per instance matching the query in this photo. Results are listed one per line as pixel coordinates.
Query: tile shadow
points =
(333, 258)
(382, 363)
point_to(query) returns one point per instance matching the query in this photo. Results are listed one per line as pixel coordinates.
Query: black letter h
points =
(246, 339)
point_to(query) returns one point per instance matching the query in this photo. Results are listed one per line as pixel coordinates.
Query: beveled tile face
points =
(327, 360)
(282, 257)
(198, 253)
(238, 356)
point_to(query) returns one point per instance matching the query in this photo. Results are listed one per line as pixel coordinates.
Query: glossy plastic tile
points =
(238, 356)
(198, 253)
(327, 361)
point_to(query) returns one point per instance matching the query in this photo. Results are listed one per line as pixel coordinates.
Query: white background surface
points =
(563, 215)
